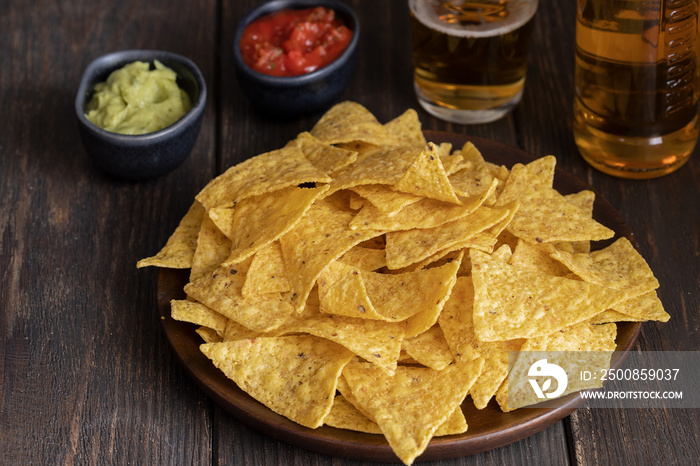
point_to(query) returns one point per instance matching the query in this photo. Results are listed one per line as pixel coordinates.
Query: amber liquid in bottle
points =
(635, 110)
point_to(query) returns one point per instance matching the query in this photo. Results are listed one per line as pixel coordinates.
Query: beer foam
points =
(519, 13)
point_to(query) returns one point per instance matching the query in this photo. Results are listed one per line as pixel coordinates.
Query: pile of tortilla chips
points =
(364, 278)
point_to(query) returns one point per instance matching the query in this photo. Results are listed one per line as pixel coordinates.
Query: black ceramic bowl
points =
(141, 157)
(287, 97)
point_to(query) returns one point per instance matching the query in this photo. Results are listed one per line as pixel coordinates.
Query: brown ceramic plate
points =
(488, 428)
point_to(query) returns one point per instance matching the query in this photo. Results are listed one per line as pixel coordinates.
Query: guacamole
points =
(138, 100)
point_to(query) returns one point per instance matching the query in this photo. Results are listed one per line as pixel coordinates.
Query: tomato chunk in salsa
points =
(294, 42)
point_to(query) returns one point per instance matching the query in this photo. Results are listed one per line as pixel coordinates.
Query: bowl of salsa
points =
(295, 57)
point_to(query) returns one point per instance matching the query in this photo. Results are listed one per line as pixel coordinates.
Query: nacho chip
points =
(474, 177)
(236, 331)
(574, 349)
(407, 247)
(452, 163)
(213, 247)
(321, 236)
(221, 291)
(426, 213)
(197, 313)
(345, 415)
(637, 309)
(515, 303)
(208, 335)
(398, 403)
(266, 273)
(536, 258)
(427, 177)
(429, 349)
(546, 216)
(406, 129)
(365, 258)
(617, 266)
(258, 175)
(584, 200)
(179, 249)
(385, 198)
(325, 157)
(349, 122)
(458, 330)
(381, 165)
(428, 317)
(375, 341)
(295, 376)
(342, 291)
(260, 220)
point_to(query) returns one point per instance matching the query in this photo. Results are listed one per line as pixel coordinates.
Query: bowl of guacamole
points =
(139, 112)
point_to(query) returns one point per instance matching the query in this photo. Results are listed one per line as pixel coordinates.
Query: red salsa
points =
(294, 42)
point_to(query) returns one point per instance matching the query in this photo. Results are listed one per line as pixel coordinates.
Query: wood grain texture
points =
(86, 376)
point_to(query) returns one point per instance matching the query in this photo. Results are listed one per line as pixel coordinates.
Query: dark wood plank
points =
(85, 374)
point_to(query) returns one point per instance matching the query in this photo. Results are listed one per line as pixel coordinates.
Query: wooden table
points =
(86, 375)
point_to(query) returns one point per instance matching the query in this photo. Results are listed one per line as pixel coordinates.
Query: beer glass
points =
(470, 57)
(636, 80)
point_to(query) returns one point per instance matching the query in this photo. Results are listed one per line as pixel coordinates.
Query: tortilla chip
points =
(271, 171)
(260, 220)
(382, 165)
(428, 317)
(398, 403)
(546, 216)
(364, 258)
(197, 313)
(536, 257)
(180, 247)
(426, 213)
(352, 292)
(574, 349)
(617, 266)
(406, 129)
(236, 331)
(266, 273)
(295, 376)
(474, 177)
(429, 349)
(349, 122)
(213, 247)
(385, 198)
(342, 292)
(458, 329)
(208, 335)
(321, 236)
(637, 309)
(426, 177)
(452, 163)
(325, 157)
(515, 303)
(221, 291)
(344, 415)
(375, 341)
(406, 247)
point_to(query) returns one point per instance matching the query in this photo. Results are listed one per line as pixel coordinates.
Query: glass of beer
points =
(636, 79)
(470, 57)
